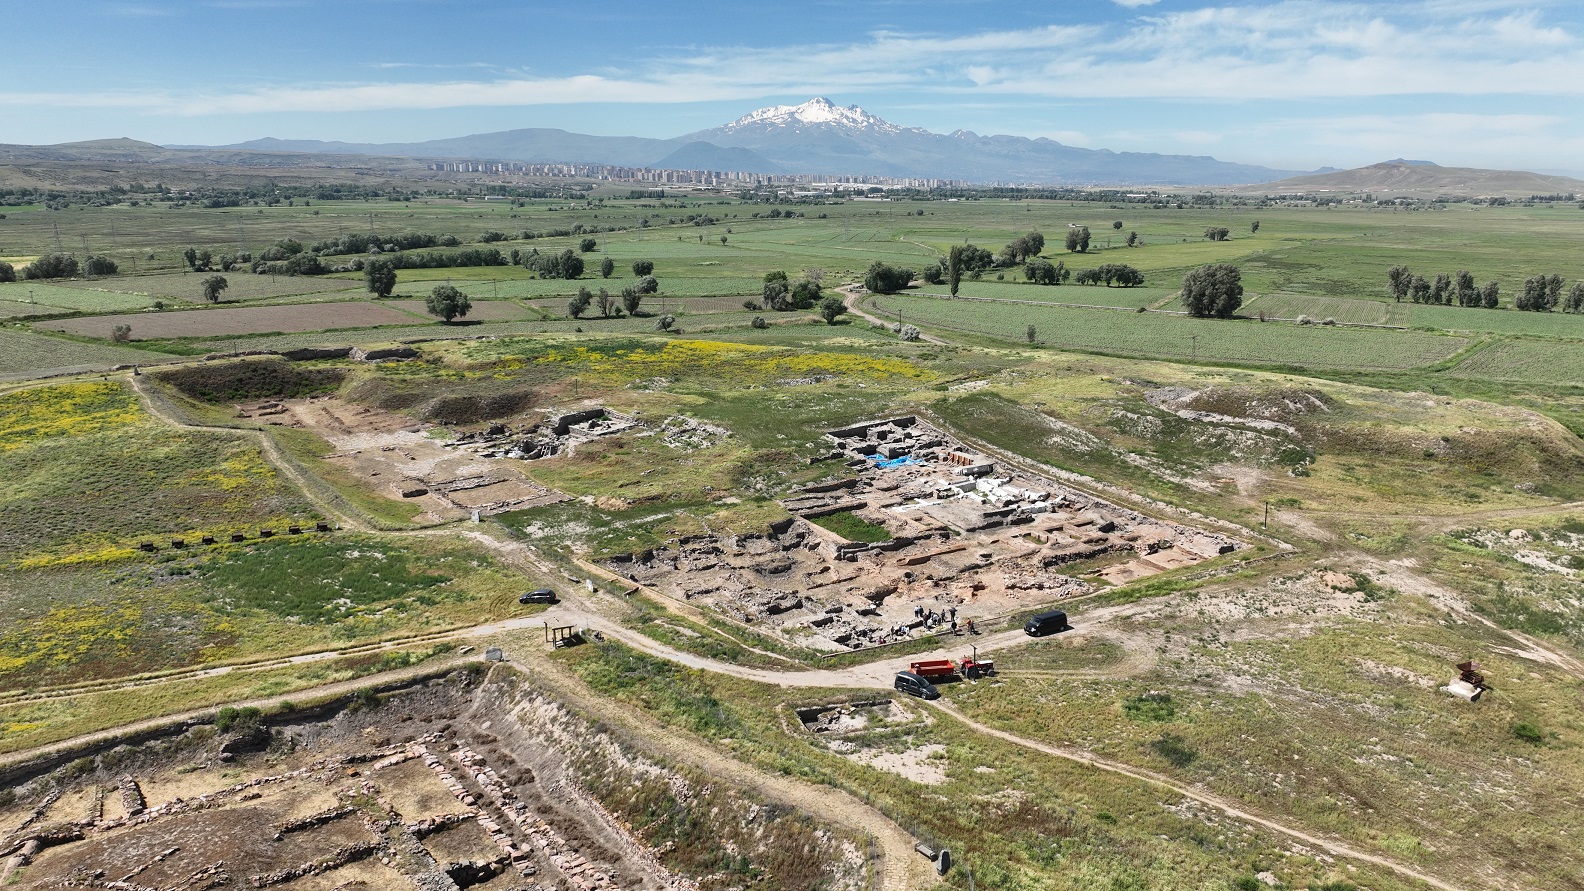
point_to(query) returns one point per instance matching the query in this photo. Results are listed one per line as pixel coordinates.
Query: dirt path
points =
(1150, 777)
(852, 294)
(155, 406)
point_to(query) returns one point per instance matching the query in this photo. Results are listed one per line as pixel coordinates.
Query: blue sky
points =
(1296, 84)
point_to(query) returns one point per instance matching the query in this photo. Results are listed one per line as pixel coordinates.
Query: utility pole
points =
(1266, 524)
(58, 248)
(1195, 339)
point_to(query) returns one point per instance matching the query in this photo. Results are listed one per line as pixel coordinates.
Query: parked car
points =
(1045, 623)
(540, 595)
(913, 685)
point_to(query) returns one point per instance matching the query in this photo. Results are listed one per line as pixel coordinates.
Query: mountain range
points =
(817, 137)
(1423, 179)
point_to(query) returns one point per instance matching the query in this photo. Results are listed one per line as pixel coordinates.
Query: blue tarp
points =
(887, 464)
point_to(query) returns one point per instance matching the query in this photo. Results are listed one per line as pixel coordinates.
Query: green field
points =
(25, 354)
(1152, 335)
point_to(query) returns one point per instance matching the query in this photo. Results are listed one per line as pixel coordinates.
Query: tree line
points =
(1541, 293)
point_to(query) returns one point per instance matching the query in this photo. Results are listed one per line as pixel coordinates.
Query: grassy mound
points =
(241, 381)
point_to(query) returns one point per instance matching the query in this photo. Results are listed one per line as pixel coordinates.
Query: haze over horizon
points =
(1298, 84)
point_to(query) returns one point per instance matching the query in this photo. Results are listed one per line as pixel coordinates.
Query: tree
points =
(607, 266)
(1133, 239)
(759, 322)
(213, 287)
(1466, 292)
(7, 272)
(1540, 294)
(642, 267)
(1398, 278)
(1078, 239)
(579, 304)
(447, 302)
(1441, 291)
(1253, 227)
(1213, 291)
(100, 266)
(605, 303)
(631, 299)
(1490, 295)
(1117, 225)
(1043, 272)
(647, 285)
(954, 267)
(886, 279)
(665, 323)
(51, 266)
(191, 256)
(1217, 233)
(723, 241)
(1022, 248)
(832, 308)
(1419, 289)
(587, 244)
(777, 292)
(380, 277)
(1031, 334)
(805, 294)
(1575, 299)
(933, 274)
(121, 333)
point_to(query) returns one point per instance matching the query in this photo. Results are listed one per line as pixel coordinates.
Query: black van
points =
(913, 685)
(1041, 624)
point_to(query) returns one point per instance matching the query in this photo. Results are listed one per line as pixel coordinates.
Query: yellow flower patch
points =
(42, 413)
(65, 635)
(731, 361)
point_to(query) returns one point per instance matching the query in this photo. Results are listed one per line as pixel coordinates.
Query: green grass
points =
(1532, 361)
(62, 501)
(319, 581)
(853, 527)
(38, 298)
(1152, 335)
(25, 354)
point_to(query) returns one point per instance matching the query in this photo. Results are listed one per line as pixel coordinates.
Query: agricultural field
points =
(225, 321)
(39, 298)
(1151, 335)
(24, 354)
(1526, 360)
(187, 287)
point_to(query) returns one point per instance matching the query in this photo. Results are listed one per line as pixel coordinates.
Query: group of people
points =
(931, 618)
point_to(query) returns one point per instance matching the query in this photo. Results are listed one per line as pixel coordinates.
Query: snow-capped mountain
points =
(821, 137)
(818, 110)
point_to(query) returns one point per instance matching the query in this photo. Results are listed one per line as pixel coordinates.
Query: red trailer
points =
(934, 668)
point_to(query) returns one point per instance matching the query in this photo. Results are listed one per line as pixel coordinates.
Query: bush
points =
(101, 266)
(1529, 733)
(1152, 706)
(7, 272)
(51, 266)
(642, 267)
(759, 322)
(121, 333)
(229, 718)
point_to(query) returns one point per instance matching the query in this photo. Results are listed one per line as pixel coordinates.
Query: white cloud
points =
(1134, 4)
(1288, 50)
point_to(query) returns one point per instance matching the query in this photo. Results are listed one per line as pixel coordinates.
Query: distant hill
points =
(1422, 179)
(706, 156)
(817, 137)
